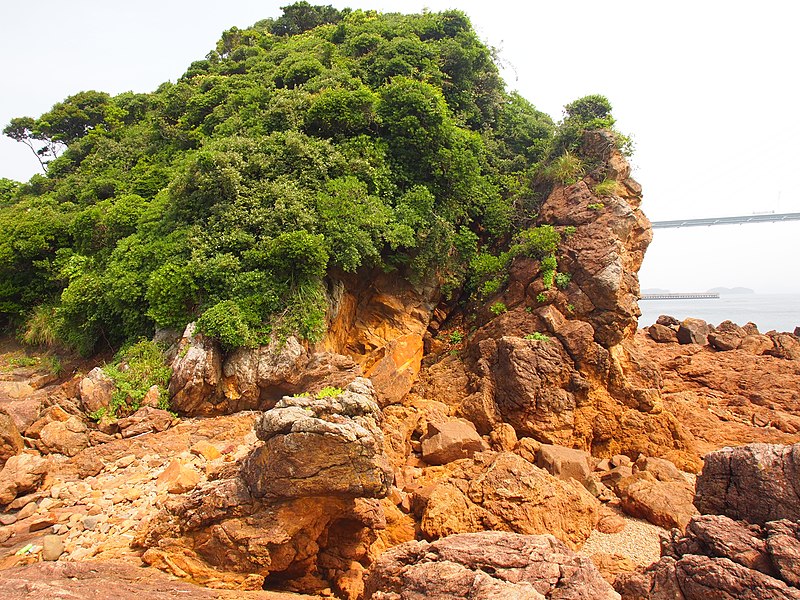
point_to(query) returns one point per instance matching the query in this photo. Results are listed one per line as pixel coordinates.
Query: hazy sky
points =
(708, 90)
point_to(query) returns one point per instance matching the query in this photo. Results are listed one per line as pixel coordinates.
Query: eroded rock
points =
(486, 565)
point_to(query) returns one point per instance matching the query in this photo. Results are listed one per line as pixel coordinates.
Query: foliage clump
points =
(319, 142)
(135, 370)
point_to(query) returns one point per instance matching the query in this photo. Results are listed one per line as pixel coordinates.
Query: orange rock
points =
(177, 478)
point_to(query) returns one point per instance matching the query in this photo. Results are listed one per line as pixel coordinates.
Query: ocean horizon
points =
(780, 312)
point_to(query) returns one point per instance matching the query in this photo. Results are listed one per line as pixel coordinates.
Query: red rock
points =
(96, 390)
(450, 440)
(178, 478)
(693, 331)
(10, 439)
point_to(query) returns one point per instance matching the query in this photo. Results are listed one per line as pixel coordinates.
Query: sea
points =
(780, 312)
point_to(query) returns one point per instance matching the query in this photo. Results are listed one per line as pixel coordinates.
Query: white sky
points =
(708, 89)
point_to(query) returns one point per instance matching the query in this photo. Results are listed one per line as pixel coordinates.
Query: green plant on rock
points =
(549, 266)
(456, 337)
(498, 308)
(329, 392)
(608, 187)
(562, 280)
(537, 337)
(134, 371)
(596, 206)
(567, 169)
(541, 297)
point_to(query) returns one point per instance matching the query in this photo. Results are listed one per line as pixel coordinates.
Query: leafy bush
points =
(227, 323)
(498, 308)
(562, 280)
(134, 371)
(456, 337)
(566, 168)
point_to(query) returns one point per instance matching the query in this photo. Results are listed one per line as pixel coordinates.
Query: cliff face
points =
(580, 382)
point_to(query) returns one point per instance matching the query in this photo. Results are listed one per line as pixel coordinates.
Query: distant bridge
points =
(680, 296)
(756, 218)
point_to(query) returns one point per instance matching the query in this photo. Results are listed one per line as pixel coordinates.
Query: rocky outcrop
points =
(96, 390)
(504, 492)
(722, 558)
(667, 504)
(195, 385)
(64, 437)
(320, 446)
(693, 331)
(756, 483)
(486, 565)
(727, 398)
(302, 501)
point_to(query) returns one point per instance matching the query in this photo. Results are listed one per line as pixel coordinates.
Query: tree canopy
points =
(322, 140)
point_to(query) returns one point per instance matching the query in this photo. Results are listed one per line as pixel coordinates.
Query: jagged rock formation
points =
(586, 386)
(486, 565)
(756, 483)
(747, 548)
(298, 503)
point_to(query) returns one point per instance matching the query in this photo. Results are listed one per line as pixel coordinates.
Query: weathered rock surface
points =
(664, 503)
(96, 390)
(298, 503)
(727, 398)
(10, 439)
(721, 558)
(485, 565)
(100, 580)
(450, 440)
(567, 463)
(145, 420)
(321, 446)
(755, 483)
(693, 331)
(22, 473)
(64, 437)
(662, 334)
(504, 492)
(195, 385)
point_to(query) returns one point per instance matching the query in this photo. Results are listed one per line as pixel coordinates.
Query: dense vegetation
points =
(319, 141)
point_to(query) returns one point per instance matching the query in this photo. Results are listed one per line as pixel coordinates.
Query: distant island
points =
(734, 290)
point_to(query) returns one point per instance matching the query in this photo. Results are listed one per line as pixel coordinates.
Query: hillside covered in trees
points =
(320, 141)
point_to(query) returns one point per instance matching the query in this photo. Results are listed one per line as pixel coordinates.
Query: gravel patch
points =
(639, 541)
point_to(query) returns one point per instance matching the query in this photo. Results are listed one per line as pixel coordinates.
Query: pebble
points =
(639, 541)
(91, 521)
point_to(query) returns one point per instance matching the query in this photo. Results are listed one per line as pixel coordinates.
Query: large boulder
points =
(755, 483)
(667, 504)
(486, 565)
(21, 474)
(64, 437)
(10, 439)
(196, 383)
(693, 331)
(565, 463)
(450, 440)
(96, 390)
(321, 446)
(505, 492)
(301, 504)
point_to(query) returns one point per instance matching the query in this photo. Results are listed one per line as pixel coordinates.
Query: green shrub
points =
(41, 327)
(562, 280)
(498, 308)
(596, 206)
(134, 371)
(541, 297)
(607, 187)
(456, 337)
(536, 242)
(567, 169)
(538, 337)
(227, 323)
(329, 392)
